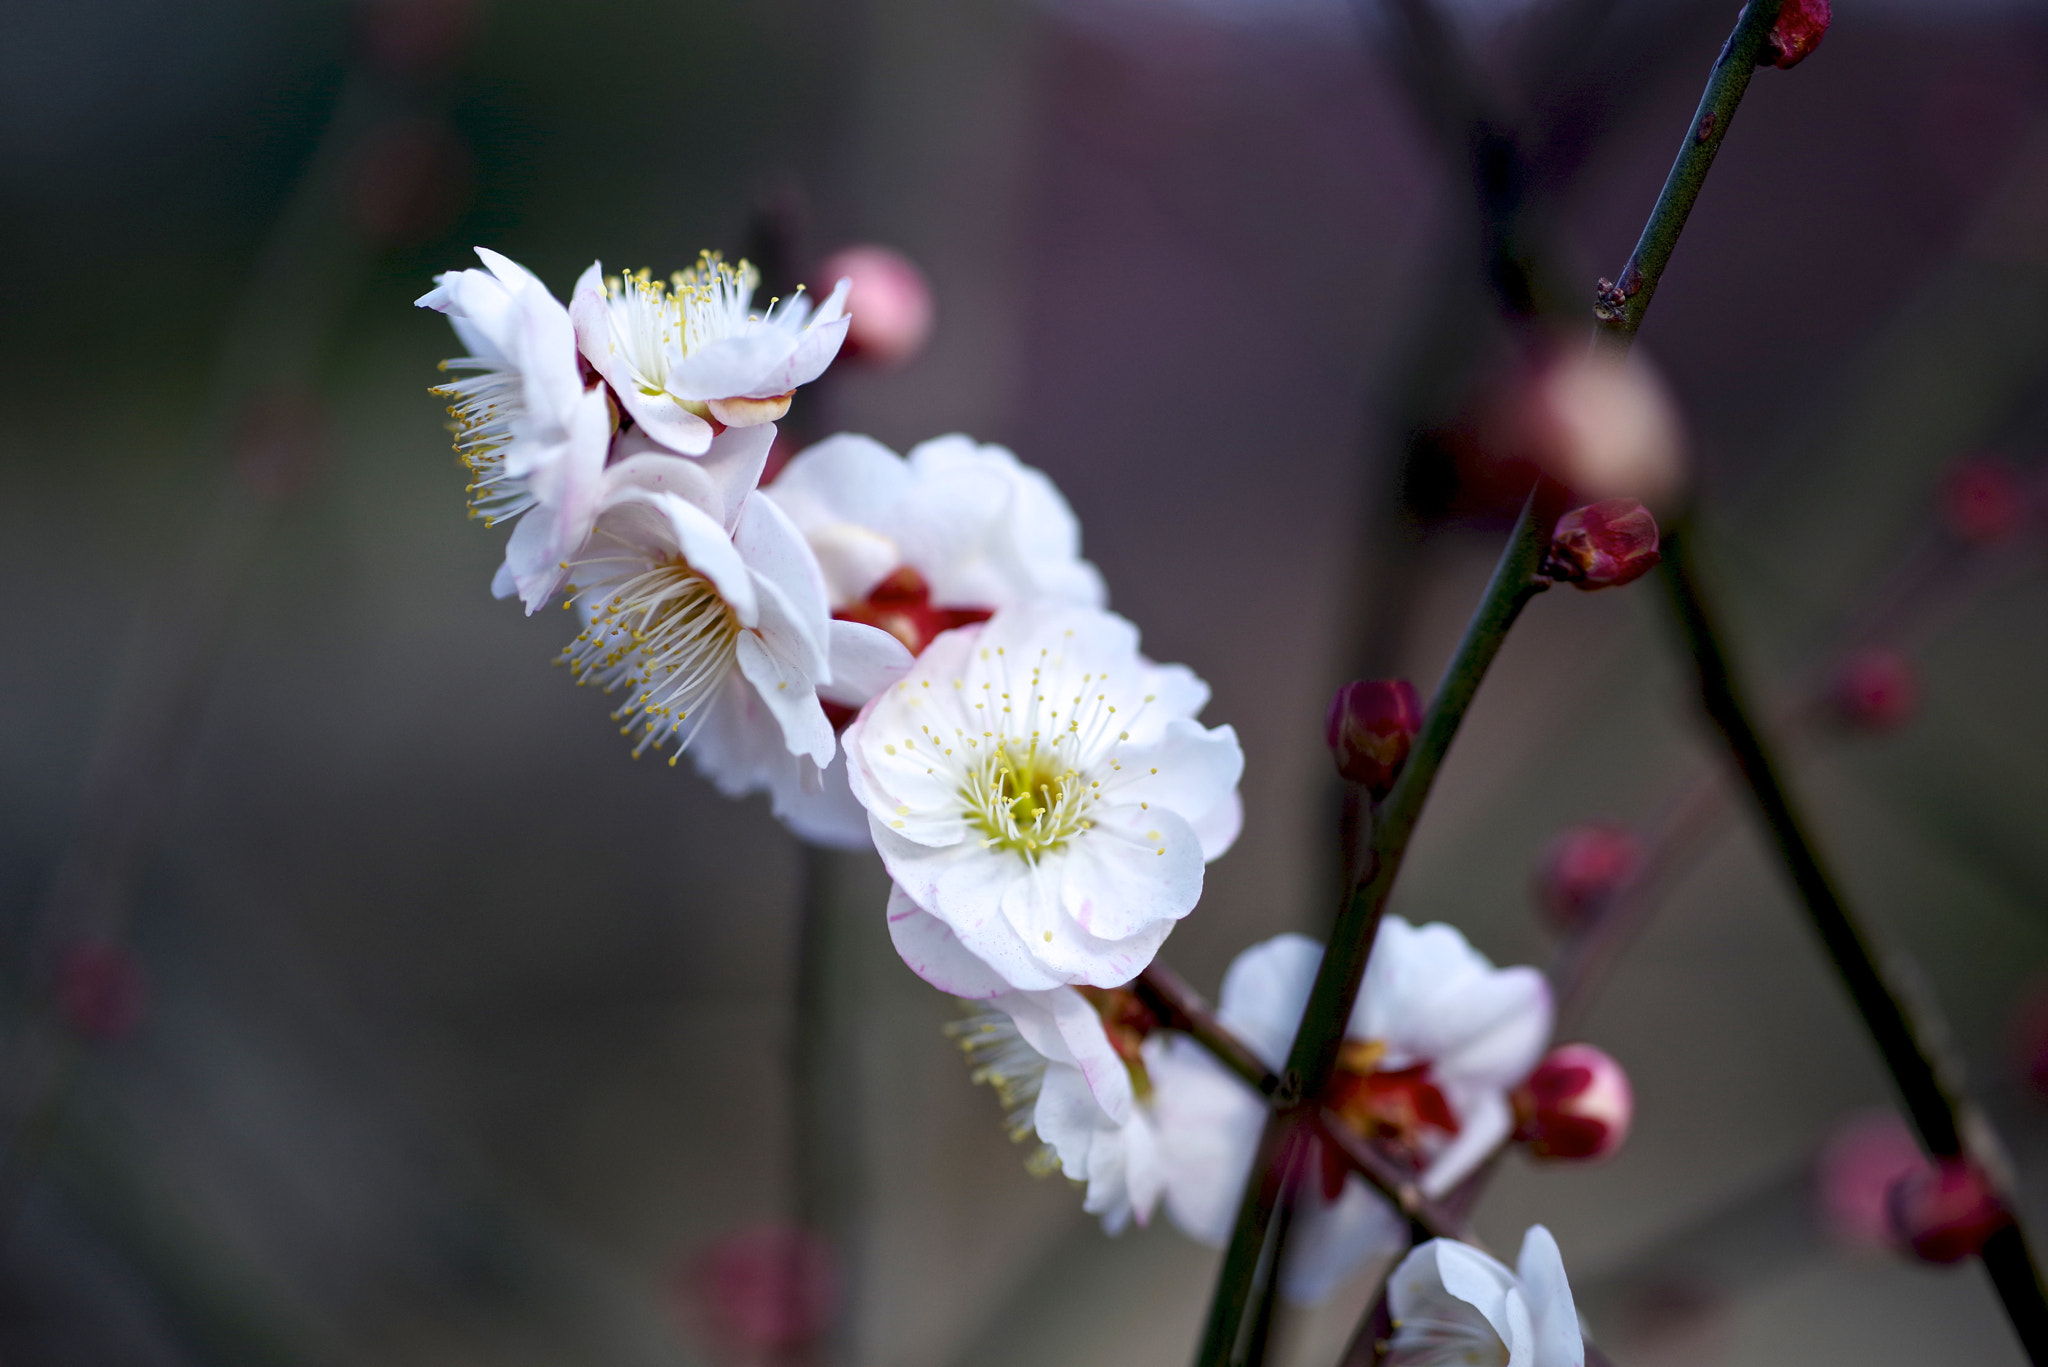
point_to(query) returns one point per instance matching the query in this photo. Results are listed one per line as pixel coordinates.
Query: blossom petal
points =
(934, 953)
(865, 660)
(789, 694)
(776, 550)
(1553, 1317)
(659, 416)
(734, 367)
(1446, 1293)
(1484, 1120)
(734, 463)
(846, 478)
(1135, 868)
(1333, 1241)
(705, 546)
(1209, 1123)
(1190, 770)
(1065, 1027)
(1265, 991)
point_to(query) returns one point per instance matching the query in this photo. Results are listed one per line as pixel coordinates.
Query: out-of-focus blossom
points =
(1943, 1213)
(1875, 690)
(1605, 427)
(1854, 1174)
(917, 546)
(1453, 1304)
(1044, 798)
(702, 603)
(1582, 869)
(533, 435)
(99, 990)
(1577, 1105)
(1369, 728)
(1603, 545)
(761, 1292)
(684, 353)
(1800, 26)
(1071, 1067)
(890, 304)
(1982, 500)
(1437, 1040)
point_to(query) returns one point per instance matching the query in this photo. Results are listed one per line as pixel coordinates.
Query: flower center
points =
(715, 299)
(902, 606)
(1395, 1107)
(665, 634)
(1024, 798)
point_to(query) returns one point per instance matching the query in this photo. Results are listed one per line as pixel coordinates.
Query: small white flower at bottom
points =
(1454, 1306)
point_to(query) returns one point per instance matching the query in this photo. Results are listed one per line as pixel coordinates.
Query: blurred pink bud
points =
(1982, 501)
(1800, 27)
(408, 179)
(1603, 545)
(1875, 690)
(1946, 1212)
(1577, 1105)
(99, 990)
(763, 1290)
(1853, 1176)
(280, 442)
(1602, 426)
(889, 305)
(414, 37)
(1370, 726)
(1581, 870)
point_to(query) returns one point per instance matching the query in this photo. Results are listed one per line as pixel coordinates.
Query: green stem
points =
(1314, 1055)
(1623, 302)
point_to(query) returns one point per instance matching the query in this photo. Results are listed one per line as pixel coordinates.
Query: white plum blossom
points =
(533, 435)
(1436, 1042)
(1044, 798)
(1453, 1305)
(688, 351)
(703, 605)
(916, 546)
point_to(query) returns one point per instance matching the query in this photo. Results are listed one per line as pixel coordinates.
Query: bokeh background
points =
(363, 1003)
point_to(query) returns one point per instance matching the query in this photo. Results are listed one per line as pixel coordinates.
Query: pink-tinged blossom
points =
(916, 546)
(1044, 798)
(1452, 1304)
(687, 354)
(1437, 1041)
(534, 436)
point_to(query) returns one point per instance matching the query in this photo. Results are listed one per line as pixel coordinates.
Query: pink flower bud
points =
(99, 991)
(1582, 869)
(1603, 545)
(1855, 1171)
(1371, 724)
(1800, 27)
(1577, 1105)
(889, 306)
(1945, 1213)
(1603, 427)
(1875, 690)
(761, 1292)
(1982, 501)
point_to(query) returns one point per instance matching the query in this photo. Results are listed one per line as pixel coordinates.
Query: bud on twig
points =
(1577, 1105)
(1603, 545)
(1582, 869)
(1800, 27)
(1854, 1173)
(1370, 726)
(889, 306)
(764, 1292)
(1945, 1213)
(1875, 690)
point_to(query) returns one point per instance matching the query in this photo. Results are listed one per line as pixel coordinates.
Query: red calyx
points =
(902, 606)
(1603, 545)
(1800, 27)
(1945, 1213)
(1370, 727)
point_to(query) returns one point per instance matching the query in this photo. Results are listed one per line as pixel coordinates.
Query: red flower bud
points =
(1875, 690)
(1800, 27)
(1603, 545)
(1577, 1105)
(889, 306)
(1371, 724)
(1982, 501)
(1582, 868)
(1945, 1213)
(99, 991)
(1854, 1172)
(764, 1291)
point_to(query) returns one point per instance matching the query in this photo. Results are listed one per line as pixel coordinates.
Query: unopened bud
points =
(1945, 1213)
(1603, 545)
(1982, 501)
(889, 306)
(1577, 1105)
(1800, 27)
(1854, 1173)
(1875, 690)
(1603, 426)
(99, 991)
(1582, 869)
(1370, 727)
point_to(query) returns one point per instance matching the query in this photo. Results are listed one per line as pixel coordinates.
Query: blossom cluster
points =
(909, 653)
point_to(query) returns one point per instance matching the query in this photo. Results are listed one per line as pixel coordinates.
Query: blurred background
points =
(363, 1003)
